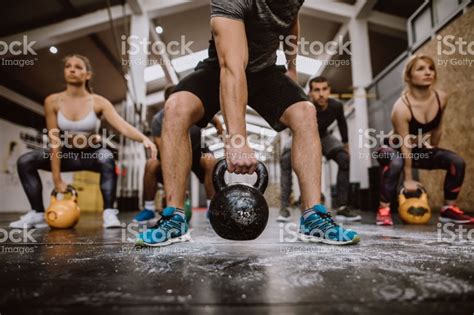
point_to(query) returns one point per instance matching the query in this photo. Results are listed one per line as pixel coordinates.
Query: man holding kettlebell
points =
(241, 70)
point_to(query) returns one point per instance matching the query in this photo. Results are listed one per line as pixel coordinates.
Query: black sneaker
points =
(454, 214)
(285, 215)
(344, 214)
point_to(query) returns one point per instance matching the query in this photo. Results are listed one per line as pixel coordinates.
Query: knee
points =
(208, 162)
(177, 112)
(152, 166)
(301, 115)
(396, 165)
(27, 161)
(105, 158)
(343, 160)
(458, 163)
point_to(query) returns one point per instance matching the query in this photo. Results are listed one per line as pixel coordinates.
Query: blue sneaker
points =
(319, 226)
(171, 228)
(144, 216)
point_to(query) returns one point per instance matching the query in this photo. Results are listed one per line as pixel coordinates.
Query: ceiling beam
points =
(136, 6)
(75, 12)
(338, 38)
(363, 8)
(98, 21)
(389, 21)
(21, 100)
(328, 10)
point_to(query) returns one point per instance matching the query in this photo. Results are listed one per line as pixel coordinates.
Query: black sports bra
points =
(414, 125)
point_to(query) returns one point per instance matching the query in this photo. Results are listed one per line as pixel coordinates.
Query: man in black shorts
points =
(328, 110)
(241, 70)
(203, 163)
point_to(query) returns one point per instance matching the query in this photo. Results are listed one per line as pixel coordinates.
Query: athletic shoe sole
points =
(315, 239)
(348, 219)
(112, 225)
(283, 219)
(384, 223)
(183, 238)
(28, 226)
(446, 220)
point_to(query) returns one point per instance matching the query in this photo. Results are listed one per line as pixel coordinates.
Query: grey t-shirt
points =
(265, 21)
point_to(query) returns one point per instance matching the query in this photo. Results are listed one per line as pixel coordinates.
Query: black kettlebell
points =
(239, 211)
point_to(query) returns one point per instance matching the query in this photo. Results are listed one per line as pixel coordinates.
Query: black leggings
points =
(392, 162)
(100, 161)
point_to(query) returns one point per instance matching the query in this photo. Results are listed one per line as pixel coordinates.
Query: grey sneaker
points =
(285, 215)
(344, 214)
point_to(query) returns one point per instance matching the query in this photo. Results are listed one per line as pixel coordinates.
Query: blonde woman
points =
(417, 120)
(75, 113)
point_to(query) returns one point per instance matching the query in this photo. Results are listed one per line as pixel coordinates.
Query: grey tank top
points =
(87, 124)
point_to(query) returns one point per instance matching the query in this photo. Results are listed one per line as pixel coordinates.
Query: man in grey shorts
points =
(328, 111)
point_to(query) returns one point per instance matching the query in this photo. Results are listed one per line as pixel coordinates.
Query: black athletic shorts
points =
(197, 151)
(270, 92)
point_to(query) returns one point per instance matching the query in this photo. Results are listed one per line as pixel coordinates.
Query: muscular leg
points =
(182, 110)
(306, 150)
(208, 161)
(392, 166)
(28, 165)
(342, 159)
(104, 164)
(285, 178)
(150, 179)
(446, 160)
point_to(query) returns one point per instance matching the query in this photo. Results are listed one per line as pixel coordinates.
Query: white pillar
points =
(361, 77)
(139, 33)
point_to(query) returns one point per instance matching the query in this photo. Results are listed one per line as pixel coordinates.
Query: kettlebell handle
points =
(70, 189)
(419, 188)
(221, 168)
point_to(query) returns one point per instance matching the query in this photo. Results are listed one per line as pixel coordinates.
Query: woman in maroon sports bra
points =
(417, 122)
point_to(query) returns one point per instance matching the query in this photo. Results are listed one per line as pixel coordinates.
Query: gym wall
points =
(11, 148)
(458, 120)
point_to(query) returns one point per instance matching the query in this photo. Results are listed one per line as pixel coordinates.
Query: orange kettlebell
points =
(414, 208)
(63, 214)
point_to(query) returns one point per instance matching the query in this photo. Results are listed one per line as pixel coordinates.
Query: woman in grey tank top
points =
(72, 118)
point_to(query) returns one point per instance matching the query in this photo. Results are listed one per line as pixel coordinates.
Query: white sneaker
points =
(31, 219)
(110, 218)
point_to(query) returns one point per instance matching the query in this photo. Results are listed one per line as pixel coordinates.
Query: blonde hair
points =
(412, 62)
(88, 68)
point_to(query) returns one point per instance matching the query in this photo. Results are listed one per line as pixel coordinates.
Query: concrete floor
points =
(404, 269)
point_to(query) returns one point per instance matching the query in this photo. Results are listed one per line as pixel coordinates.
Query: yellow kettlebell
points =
(63, 214)
(414, 208)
